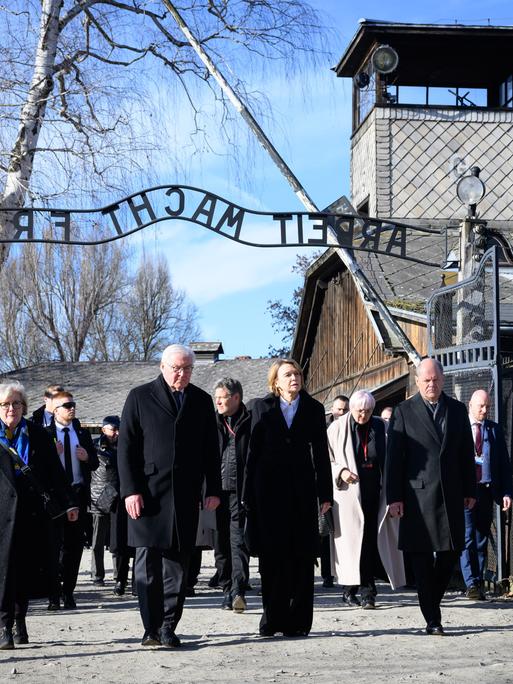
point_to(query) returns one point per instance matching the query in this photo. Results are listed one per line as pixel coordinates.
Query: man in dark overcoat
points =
(167, 447)
(430, 479)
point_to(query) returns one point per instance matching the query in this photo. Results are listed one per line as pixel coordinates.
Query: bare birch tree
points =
(84, 85)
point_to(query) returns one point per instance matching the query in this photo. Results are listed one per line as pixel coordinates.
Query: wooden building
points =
(441, 105)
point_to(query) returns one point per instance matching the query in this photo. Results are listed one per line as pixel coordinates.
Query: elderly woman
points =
(25, 524)
(357, 451)
(287, 478)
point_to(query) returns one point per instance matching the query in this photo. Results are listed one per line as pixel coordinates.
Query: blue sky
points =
(311, 127)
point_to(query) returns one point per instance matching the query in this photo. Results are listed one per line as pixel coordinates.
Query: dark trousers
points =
(369, 550)
(69, 537)
(478, 522)
(194, 567)
(15, 600)
(326, 557)
(287, 593)
(432, 574)
(161, 578)
(231, 554)
(101, 529)
(121, 565)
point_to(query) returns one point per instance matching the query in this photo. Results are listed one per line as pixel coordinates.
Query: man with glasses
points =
(78, 458)
(167, 448)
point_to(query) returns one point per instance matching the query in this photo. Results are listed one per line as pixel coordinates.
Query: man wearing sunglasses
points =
(167, 447)
(78, 458)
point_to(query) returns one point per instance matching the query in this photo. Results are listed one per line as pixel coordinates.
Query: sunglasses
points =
(67, 405)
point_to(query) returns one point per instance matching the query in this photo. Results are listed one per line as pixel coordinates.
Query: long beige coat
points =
(348, 517)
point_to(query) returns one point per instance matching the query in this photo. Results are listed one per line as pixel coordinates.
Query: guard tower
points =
(429, 103)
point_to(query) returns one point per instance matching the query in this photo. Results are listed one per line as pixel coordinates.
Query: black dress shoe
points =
(119, 589)
(99, 582)
(151, 639)
(435, 630)
(263, 632)
(54, 605)
(20, 633)
(169, 639)
(6, 639)
(368, 603)
(69, 602)
(227, 602)
(296, 633)
(350, 600)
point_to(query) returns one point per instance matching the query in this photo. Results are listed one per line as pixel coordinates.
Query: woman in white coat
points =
(357, 444)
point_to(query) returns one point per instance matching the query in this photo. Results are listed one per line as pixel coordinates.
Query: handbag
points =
(108, 497)
(50, 505)
(326, 523)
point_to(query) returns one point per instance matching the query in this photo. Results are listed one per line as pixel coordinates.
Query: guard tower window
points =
(506, 93)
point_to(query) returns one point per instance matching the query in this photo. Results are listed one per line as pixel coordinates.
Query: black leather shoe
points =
(6, 639)
(368, 603)
(151, 639)
(99, 582)
(20, 634)
(266, 632)
(473, 593)
(350, 600)
(69, 602)
(54, 605)
(119, 589)
(169, 639)
(435, 630)
(227, 602)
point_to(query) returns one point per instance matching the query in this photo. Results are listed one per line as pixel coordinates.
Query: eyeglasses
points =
(15, 404)
(67, 405)
(181, 369)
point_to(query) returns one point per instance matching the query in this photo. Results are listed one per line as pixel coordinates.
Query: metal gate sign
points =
(249, 227)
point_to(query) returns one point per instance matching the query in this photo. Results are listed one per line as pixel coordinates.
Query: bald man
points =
(430, 478)
(494, 478)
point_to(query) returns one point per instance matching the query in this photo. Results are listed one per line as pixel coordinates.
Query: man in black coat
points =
(78, 458)
(167, 448)
(430, 479)
(494, 483)
(232, 558)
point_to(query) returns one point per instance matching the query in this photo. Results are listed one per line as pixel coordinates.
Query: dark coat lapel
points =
(162, 397)
(424, 419)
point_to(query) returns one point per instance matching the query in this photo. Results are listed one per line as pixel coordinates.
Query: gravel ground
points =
(101, 641)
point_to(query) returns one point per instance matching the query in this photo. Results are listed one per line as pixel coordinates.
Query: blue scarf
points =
(19, 441)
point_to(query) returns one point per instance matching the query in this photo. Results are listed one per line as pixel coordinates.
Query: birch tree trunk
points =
(31, 119)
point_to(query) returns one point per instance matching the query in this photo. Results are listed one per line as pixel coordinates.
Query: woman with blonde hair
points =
(287, 479)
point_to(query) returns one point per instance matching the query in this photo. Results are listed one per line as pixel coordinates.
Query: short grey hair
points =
(178, 349)
(8, 388)
(362, 399)
(230, 385)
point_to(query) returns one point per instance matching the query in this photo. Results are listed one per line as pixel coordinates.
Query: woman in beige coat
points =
(357, 445)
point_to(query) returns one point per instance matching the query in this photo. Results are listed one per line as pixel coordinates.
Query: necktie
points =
(479, 440)
(478, 446)
(178, 399)
(68, 467)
